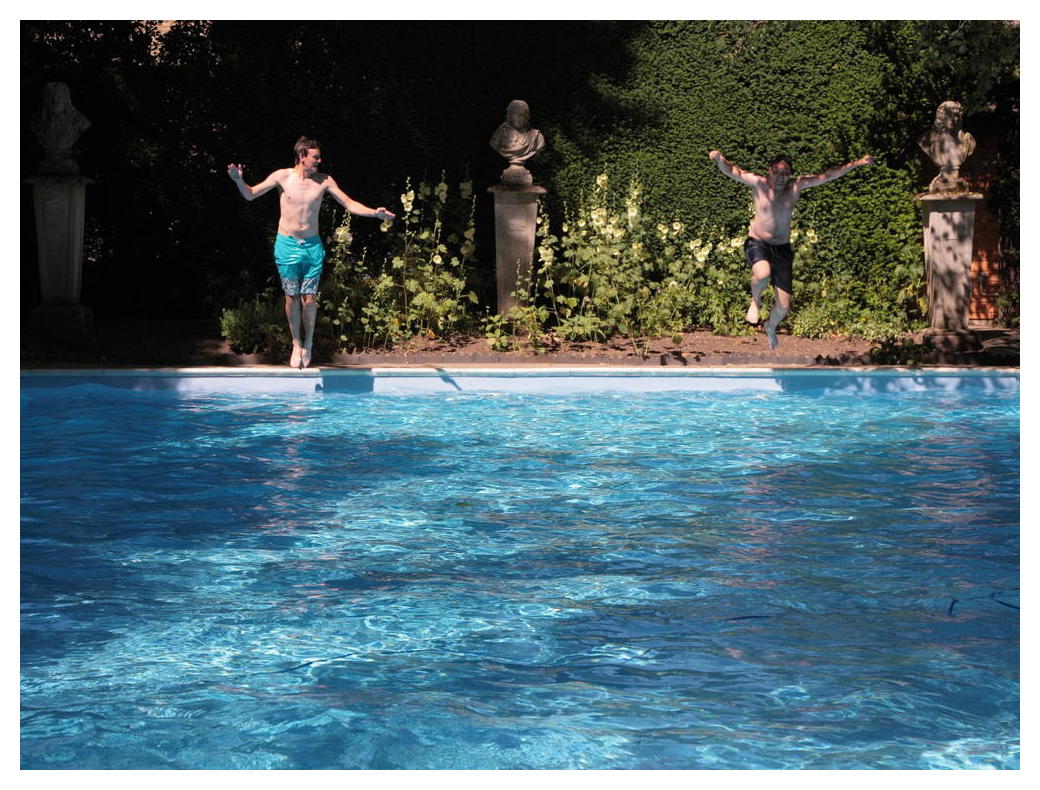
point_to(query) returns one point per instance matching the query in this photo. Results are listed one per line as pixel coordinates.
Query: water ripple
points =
(609, 581)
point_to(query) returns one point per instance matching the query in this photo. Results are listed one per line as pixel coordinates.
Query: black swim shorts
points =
(779, 256)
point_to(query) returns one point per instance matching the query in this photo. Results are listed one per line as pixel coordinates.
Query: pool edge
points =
(549, 379)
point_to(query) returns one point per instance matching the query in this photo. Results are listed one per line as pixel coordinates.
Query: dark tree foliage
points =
(167, 234)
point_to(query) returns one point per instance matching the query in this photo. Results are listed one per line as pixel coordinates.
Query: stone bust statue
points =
(948, 146)
(58, 127)
(514, 138)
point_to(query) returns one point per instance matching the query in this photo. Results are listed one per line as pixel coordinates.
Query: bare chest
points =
(777, 203)
(302, 194)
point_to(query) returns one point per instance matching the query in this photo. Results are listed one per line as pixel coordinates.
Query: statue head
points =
(56, 96)
(518, 115)
(948, 117)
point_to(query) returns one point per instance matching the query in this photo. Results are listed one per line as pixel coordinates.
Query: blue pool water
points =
(605, 580)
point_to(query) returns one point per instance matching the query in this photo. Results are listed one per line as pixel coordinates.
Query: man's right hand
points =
(716, 156)
(235, 173)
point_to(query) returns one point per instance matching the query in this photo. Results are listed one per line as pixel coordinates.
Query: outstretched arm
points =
(727, 168)
(354, 207)
(832, 173)
(251, 193)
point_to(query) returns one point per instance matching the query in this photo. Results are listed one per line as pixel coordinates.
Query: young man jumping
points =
(768, 246)
(298, 251)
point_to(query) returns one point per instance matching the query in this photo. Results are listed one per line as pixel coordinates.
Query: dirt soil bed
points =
(696, 348)
(180, 343)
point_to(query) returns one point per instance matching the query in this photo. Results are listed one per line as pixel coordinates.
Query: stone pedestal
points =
(516, 215)
(59, 197)
(59, 203)
(950, 346)
(949, 226)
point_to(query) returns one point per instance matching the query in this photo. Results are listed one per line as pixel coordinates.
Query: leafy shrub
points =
(609, 271)
(415, 283)
(256, 326)
(841, 318)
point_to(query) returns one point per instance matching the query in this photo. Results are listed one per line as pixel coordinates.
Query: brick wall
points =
(985, 259)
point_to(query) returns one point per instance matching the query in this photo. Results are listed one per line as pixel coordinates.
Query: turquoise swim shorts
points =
(299, 263)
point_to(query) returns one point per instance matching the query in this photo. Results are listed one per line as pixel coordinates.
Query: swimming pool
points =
(823, 573)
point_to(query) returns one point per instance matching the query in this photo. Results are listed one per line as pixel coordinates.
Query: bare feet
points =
(752, 316)
(294, 360)
(305, 358)
(771, 335)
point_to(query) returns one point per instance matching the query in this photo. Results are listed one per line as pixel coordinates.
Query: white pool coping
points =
(531, 379)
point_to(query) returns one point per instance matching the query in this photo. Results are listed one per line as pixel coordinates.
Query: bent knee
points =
(760, 270)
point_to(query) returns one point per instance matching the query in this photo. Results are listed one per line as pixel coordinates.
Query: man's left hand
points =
(382, 213)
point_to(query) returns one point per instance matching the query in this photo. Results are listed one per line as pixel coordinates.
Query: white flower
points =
(601, 180)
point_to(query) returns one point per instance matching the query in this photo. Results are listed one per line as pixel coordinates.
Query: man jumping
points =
(768, 246)
(298, 251)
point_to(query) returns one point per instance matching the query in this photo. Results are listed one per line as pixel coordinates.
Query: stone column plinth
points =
(949, 227)
(516, 215)
(60, 203)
